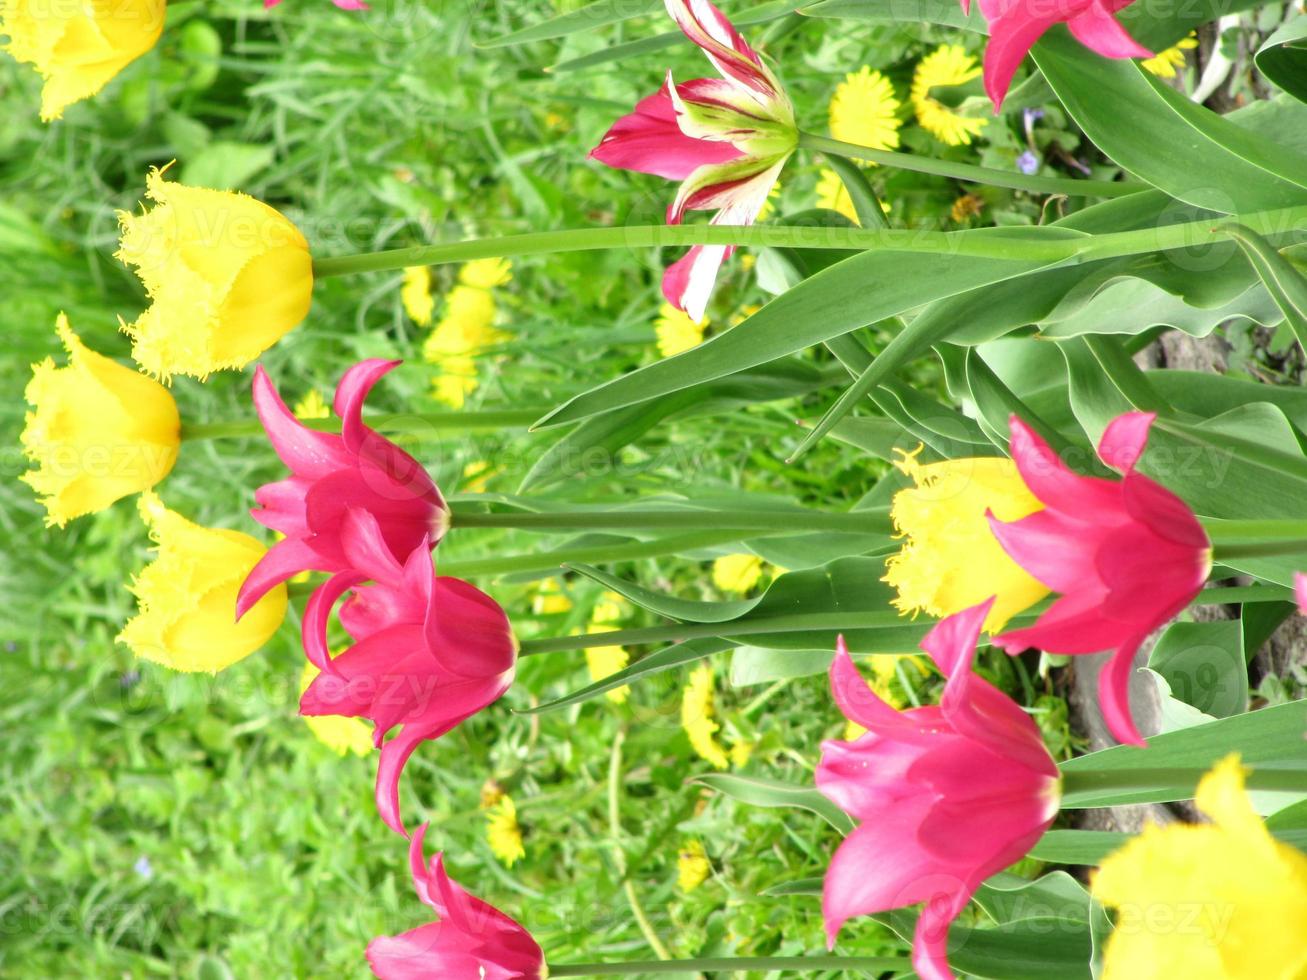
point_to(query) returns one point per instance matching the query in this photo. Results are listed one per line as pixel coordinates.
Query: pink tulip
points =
(1015, 25)
(1126, 555)
(472, 941)
(726, 141)
(330, 475)
(1300, 591)
(430, 651)
(947, 795)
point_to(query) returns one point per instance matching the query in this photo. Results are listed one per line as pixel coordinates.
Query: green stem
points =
(1243, 594)
(766, 964)
(1259, 530)
(968, 172)
(871, 521)
(1259, 549)
(1099, 780)
(407, 422)
(795, 622)
(983, 243)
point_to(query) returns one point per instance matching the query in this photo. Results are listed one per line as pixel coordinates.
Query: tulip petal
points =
(283, 561)
(951, 642)
(649, 141)
(351, 393)
(307, 453)
(1073, 624)
(317, 612)
(930, 938)
(717, 37)
(1052, 547)
(1010, 37)
(861, 704)
(1124, 440)
(1114, 693)
(1162, 512)
(1048, 478)
(1100, 32)
(1300, 591)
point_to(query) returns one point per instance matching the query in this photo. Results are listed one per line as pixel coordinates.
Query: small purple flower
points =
(129, 679)
(1028, 163)
(143, 867)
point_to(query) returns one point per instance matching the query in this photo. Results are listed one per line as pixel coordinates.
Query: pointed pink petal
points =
(1300, 591)
(468, 631)
(282, 561)
(306, 452)
(421, 872)
(1099, 31)
(365, 547)
(650, 141)
(1056, 549)
(1010, 37)
(1114, 693)
(865, 777)
(688, 282)
(352, 392)
(708, 27)
(428, 951)
(1084, 498)
(317, 613)
(951, 642)
(930, 939)
(1125, 438)
(1074, 624)
(881, 866)
(281, 506)
(861, 704)
(1162, 512)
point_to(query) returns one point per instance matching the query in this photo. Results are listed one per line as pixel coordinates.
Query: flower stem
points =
(968, 172)
(402, 423)
(870, 521)
(1256, 538)
(800, 964)
(981, 242)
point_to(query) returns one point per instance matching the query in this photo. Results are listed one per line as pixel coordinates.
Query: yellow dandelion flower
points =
(486, 273)
(966, 206)
(415, 294)
(741, 752)
(864, 110)
(1168, 63)
(950, 559)
(550, 599)
(312, 406)
(457, 380)
(1218, 901)
(491, 793)
(697, 713)
(736, 573)
(676, 331)
(340, 734)
(187, 594)
(604, 662)
(503, 833)
(946, 66)
(98, 431)
(692, 866)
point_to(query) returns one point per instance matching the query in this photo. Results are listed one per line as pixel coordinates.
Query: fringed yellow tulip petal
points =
(340, 734)
(1223, 901)
(98, 431)
(951, 560)
(227, 277)
(77, 48)
(187, 596)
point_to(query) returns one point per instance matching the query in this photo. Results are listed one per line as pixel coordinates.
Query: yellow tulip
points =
(227, 276)
(77, 47)
(99, 431)
(187, 596)
(1219, 901)
(951, 560)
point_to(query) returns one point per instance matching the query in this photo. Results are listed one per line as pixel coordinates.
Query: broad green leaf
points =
(1203, 664)
(772, 793)
(1283, 58)
(1041, 948)
(225, 165)
(1131, 306)
(1283, 280)
(1085, 847)
(683, 610)
(1272, 735)
(878, 437)
(946, 13)
(752, 665)
(835, 301)
(1181, 148)
(1010, 898)
(865, 205)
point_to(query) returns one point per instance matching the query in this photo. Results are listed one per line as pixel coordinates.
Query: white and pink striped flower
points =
(725, 139)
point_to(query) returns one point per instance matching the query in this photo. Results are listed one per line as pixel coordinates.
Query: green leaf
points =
(1179, 147)
(1040, 948)
(683, 610)
(224, 165)
(773, 793)
(752, 665)
(1008, 897)
(865, 205)
(942, 12)
(1272, 735)
(801, 886)
(1283, 58)
(1084, 847)
(1203, 664)
(833, 302)
(1282, 279)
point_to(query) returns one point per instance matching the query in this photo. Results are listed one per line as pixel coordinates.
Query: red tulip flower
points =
(947, 795)
(725, 139)
(330, 475)
(1127, 555)
(472, 941)
(430, 651)
(1015, 25)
